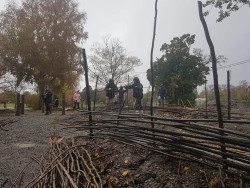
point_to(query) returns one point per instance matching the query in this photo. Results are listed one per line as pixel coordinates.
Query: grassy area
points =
(11, 105)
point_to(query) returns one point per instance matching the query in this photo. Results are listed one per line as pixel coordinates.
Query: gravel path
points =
(27, 137)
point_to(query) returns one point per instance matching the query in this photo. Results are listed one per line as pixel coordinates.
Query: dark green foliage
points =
(179, 70)
(226, 7)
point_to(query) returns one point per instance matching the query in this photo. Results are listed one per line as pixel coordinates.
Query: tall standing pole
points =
(95, 92)
(228, 95)
(151, 64)
(63, 103)
(215, 75)
(206, 95)
(127, 90)
(85, 66)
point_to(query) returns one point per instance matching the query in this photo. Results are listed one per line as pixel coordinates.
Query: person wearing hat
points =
(162, 93)
(137, 92)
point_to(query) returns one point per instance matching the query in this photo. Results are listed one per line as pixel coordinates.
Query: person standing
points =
(137, 92)
(121, 92)
(162, 93)
(77, 99)
(47, 100)
(110, 90)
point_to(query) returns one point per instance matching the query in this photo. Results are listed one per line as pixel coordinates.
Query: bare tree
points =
(9, 83)
(110, 60)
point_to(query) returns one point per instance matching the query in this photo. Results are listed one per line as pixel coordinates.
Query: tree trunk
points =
(17, 104)
(85, 65)
(215, 75)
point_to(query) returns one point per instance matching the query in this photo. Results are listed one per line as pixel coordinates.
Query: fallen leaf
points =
(126, 161)
(97, 155)
(124, 173)
(111, 178)
(54, 138)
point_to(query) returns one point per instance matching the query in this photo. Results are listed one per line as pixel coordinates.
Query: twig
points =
(206, 178)
(179, 166)
(221, 179)
(67, 174)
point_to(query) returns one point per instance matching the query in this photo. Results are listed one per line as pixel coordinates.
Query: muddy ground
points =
(119, 165)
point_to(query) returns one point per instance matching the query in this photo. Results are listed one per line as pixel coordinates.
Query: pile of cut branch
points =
(66, 165)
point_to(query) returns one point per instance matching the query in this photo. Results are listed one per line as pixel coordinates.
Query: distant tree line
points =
(239, 93)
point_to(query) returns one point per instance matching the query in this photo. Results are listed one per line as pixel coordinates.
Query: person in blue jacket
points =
(162, 93)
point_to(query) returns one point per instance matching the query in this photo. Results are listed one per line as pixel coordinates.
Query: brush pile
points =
(66, 165)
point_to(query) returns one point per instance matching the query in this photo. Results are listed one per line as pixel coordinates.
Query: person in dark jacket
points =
(137, 92)
(121, 92)
(47, 100)
(110, 90)
(162, 93)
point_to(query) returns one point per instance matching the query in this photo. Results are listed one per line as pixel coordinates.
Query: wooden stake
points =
(63, 104)
(228, 95)
(127, 90)
(215, 75)
(85, 65)
(95, 91)
(151, 64)
(206, 95)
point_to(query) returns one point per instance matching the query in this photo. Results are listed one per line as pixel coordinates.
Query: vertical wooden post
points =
(85, 65)
(63, 104)
(17, 104)
(43, 106)
(215, 75)
(152, 69)
(151, 64)
(95, 92)
(128, 90)
(22, 104)
(206, 95)
(82, 101)
(228, 95)
(163, 101)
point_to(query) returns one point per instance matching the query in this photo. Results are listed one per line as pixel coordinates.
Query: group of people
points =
(111, 90)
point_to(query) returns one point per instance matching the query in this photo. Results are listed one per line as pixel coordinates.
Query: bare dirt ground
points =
(119, 165)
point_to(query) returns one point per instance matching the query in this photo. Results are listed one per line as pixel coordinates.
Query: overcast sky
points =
(132, 22)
